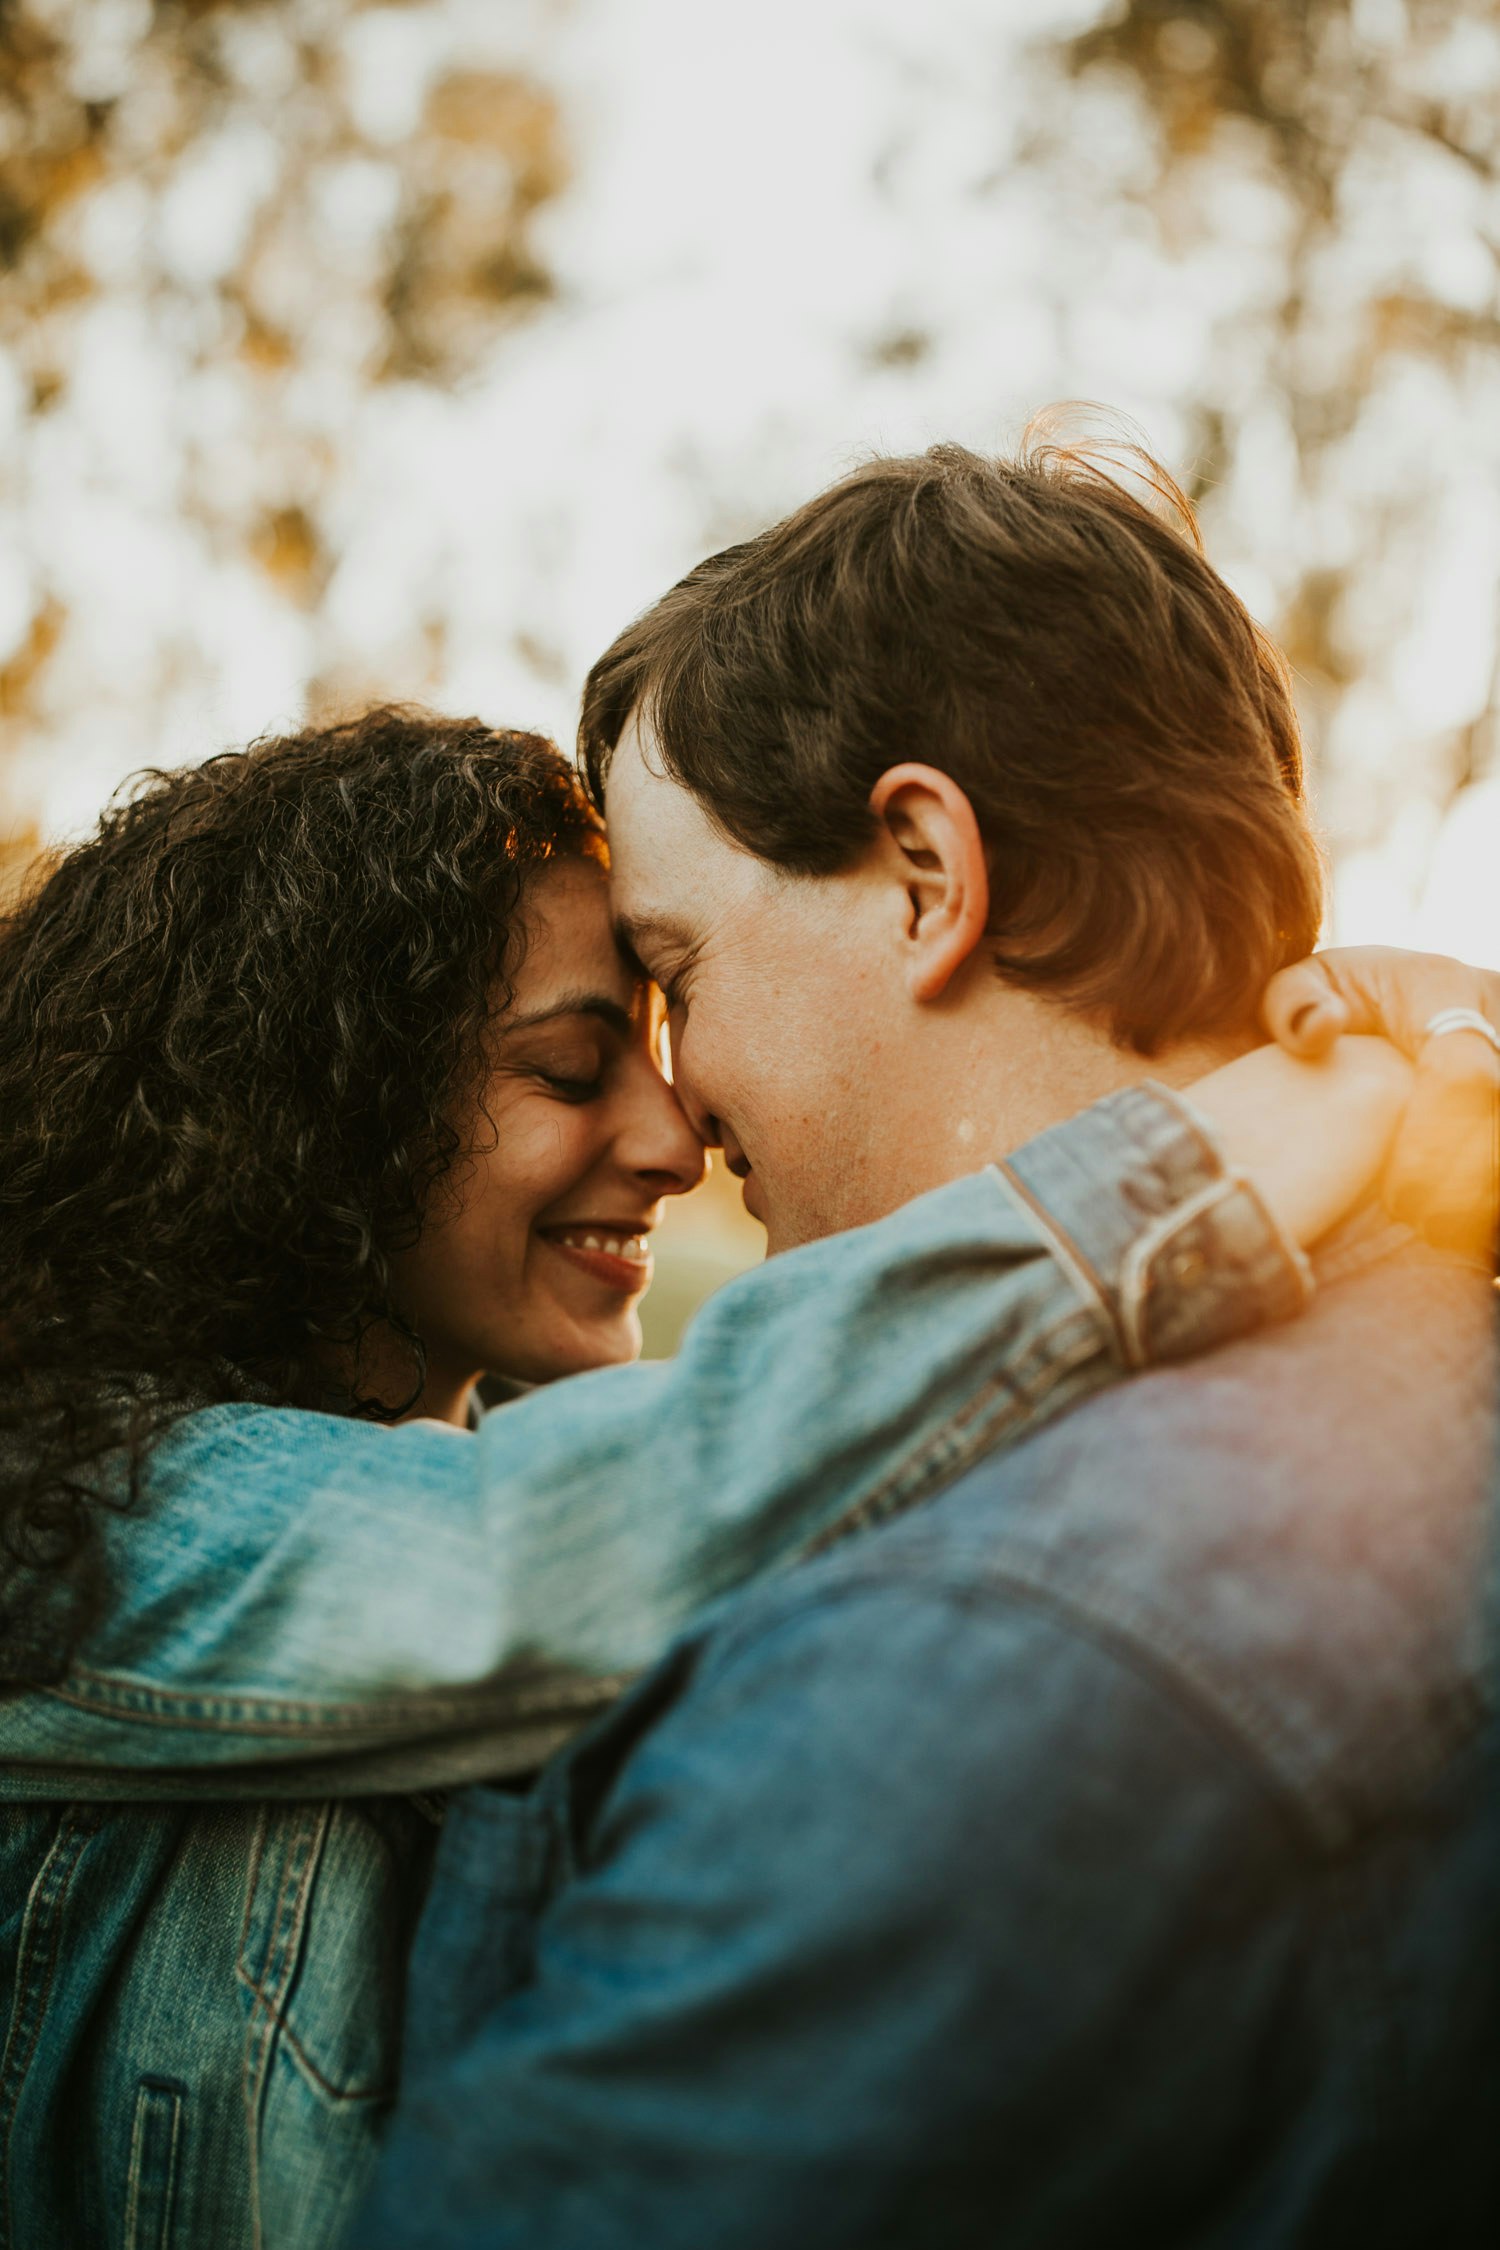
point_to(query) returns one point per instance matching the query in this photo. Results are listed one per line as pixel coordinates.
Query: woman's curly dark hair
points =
(235, 1026)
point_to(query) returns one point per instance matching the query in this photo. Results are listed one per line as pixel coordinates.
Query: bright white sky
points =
(761, 198)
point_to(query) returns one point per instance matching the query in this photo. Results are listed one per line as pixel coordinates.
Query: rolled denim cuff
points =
(1139, 1205)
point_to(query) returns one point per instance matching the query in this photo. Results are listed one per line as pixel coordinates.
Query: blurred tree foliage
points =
(1375, 124)
(126, 88)
(245, 245)
(300, 219)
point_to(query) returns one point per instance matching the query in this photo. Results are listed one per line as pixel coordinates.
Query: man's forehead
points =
(640, 797)
(655, 882)
(666, 856)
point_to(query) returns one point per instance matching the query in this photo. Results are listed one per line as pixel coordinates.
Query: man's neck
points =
(1014, 1066)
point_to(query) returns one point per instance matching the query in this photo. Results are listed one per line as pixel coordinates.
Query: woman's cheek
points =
(549, 1154)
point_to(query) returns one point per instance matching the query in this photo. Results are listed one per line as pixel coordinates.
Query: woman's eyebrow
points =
(597, 1004)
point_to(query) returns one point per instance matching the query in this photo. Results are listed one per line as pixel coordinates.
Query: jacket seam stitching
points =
(944, 1457)
(288, 1917)
(255, 1985)
(1320, 1825)
(379, 2093)
(137, 2159)
(252, 1877)
(49, 1894)
(1071, 1257)
(273, 1714)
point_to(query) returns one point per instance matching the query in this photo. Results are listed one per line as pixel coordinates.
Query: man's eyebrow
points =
(597, 1004)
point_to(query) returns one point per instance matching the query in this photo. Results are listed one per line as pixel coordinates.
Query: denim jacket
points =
(219, 1826)
(1106, 1853)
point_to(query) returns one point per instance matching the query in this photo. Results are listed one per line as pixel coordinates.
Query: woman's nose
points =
(662, 1145)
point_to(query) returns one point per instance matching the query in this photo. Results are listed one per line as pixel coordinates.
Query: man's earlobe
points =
(931, 828)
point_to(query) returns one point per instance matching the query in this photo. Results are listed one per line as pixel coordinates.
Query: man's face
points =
(785, 1017)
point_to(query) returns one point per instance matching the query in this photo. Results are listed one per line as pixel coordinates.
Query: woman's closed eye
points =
(568, 1069)
(570, 1089)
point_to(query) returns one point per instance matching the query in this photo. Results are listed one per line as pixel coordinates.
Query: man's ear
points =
(929, 825)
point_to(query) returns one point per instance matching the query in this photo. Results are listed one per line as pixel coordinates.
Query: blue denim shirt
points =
(1106, 1853)
(218, 1827)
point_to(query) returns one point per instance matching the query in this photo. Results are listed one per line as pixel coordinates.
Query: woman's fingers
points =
(1312, 1137)
(1303, 1011)
(1383, 991)
(1443, 1175)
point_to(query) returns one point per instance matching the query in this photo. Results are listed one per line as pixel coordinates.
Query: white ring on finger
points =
(1461, 1019)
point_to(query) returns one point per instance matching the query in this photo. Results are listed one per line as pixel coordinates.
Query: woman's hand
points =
(1313, 1137)
(1443, 1173)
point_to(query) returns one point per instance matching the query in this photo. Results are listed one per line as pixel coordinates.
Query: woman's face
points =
(533, 1261)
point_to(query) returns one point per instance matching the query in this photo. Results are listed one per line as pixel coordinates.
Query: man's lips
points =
(610, 1251)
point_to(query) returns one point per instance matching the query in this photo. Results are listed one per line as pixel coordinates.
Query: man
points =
(1107, 1851)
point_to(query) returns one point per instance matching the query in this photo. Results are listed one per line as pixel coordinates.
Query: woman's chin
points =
(615, 1347)
(578, 1347)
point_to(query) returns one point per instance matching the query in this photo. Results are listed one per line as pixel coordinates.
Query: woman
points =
(325, 1089)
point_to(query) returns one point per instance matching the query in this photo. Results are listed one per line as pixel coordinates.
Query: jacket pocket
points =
(155, 2143)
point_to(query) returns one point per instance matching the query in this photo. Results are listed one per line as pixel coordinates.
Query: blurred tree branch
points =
(207, 163)
(1318, 98)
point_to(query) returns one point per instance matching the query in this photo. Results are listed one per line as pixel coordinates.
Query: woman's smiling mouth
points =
(605, 1249)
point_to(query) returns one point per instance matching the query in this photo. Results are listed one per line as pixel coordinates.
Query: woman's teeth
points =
(632, 1246)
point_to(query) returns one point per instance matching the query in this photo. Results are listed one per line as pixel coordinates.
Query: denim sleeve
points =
(313, 1604)
(987, 1942)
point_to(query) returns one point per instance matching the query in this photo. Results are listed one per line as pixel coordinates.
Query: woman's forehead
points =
(571, 949)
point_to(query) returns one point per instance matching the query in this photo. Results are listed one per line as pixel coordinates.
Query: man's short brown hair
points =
(1122, 727)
